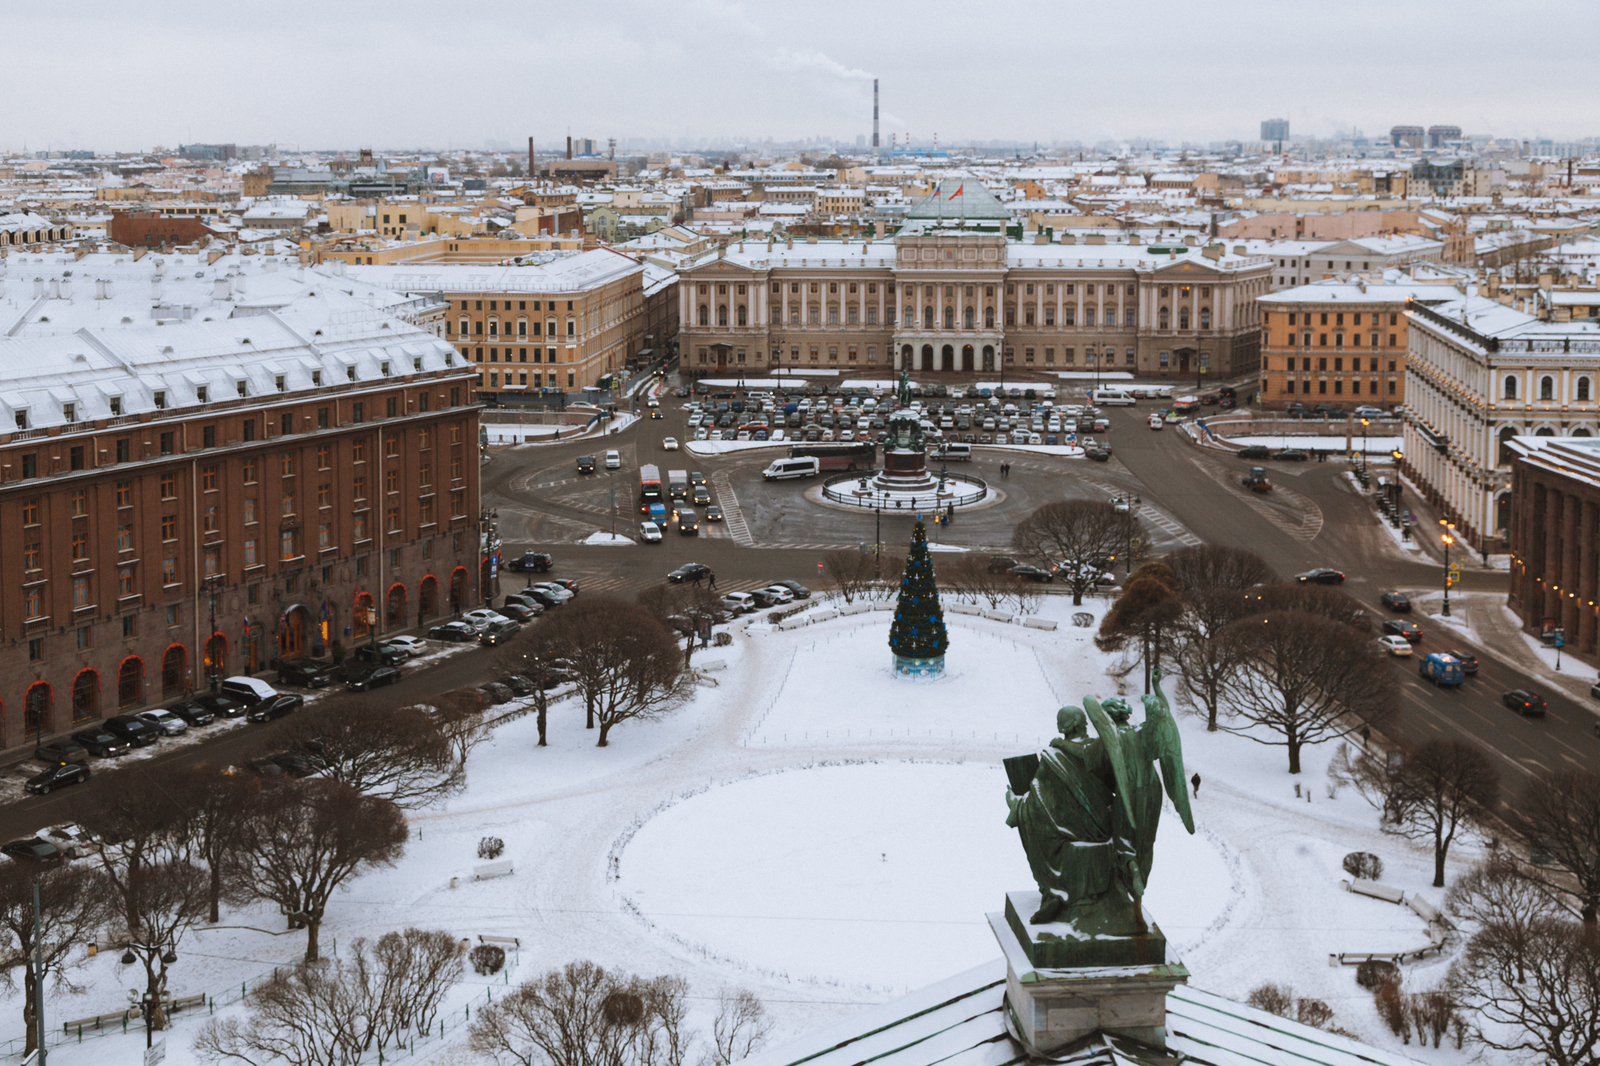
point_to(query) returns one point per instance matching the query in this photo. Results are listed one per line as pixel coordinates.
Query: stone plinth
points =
(1058, 945)
(1049, 1007)
(904, 664)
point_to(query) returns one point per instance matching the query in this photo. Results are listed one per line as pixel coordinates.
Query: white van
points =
(1112, 397)
(613, 460)
(805, 466)
(955, 453)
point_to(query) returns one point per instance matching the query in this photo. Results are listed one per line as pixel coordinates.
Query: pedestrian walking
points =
(697, 580)
(1195, 781)
(713, 576)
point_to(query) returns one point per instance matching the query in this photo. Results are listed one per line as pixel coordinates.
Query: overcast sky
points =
(114, 75)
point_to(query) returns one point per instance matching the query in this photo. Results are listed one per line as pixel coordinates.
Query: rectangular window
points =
(358, 525)
(391, 481)
(33, 607)
(425, 511)
(359, 488)
(80, 591)
(249, 471)
(286, 465)
(458, 504)
(80, 546)
(288, 503)
(208, 477)
(391, 444)
(208, 519)
(250, 554)
(424, 474)
(325, 495)
(324, 536)
(125, 538)
(30, 512)
(124, 494)
(286, 545)
(358, 451)
(80, 503)
(324, 457)
(393, 519)
(125, 581)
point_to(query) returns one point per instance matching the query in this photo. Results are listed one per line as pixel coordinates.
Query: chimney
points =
(569, 146)
(55, 289)
(38, 288)
(221, 289)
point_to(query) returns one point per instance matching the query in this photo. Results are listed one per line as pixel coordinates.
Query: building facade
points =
(1554, 539)
(1478, 374)
(958, 289)
(257, 467)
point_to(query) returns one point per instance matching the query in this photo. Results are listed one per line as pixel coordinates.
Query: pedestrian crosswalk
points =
(732, 514)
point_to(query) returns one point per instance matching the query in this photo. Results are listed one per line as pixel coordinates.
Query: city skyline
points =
(729, 72)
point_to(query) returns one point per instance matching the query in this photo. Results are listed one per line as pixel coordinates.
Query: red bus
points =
(650, 488)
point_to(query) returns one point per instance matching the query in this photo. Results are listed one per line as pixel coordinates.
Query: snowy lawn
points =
(1375, 445)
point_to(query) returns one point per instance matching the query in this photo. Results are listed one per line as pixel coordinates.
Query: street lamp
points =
(1449, 538)
(1364, 423)
(212, 582)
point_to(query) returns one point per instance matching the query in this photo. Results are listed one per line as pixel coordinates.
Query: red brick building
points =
(1554, 534)
(147, 229)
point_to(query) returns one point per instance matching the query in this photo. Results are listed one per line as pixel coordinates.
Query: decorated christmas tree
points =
(917, 637)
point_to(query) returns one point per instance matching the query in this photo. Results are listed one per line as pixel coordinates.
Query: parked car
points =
(537, 562)
(305, 673)
(1400, 628)
(61, 751)
(1528, 704)
(1002, 564)
(374, 677)
(586, 464)
(1292, 455)
(739, 603)
(1469, 663)
(779, 593)
(1396, 601)
(248, 690)
(568, 583)
(378, 654)
(799, 591)
(1254, 451)
(689, 572)
(193, 713)
(649, 533)
(520, 613)
(32, 850)
(1097, 454)
(101, 744)
(496, 692)
(765, 597)
(129, 728)
(1395, 645)
(1024, 572)
(412, 646)
(275, 707)
(1321, 576)
(519, 685)
(453, 632)
(219, 704)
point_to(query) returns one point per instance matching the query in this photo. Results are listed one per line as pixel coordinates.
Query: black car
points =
(458, 632)
(537, 562)
(1002, 564)
(799, 590)
(1321, 576)
(296, 764)
(139, 734)
(689, 572)
(1469, 663)
(58, 776)
(1527, 704)
(193, 713)
(274, 707)
(1098, 455)
(519, 685)
(498, 633)
(32, 850)
(586, 464)
(305, 673)
(376, 677)
(1410, 630)
(518, 612)
(764, 597)
(1024, 572)
(101, 744)
(543, 597)
(1293, 455)
(60, 751)
(1254, 451)
(219, 705)
(1396, 601)
(700, 495)
(380, 655)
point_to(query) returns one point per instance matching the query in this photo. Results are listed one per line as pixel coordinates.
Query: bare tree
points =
(969, 577)
(535, 654)
(74, 905)
(1553, 1012)
(414, 970)
(1498, 892)
(740, 1027)
(304, 840)
(849, 573)
(1146, 608)
(584, 1015)
(1319, 600)
(1557, 815)
(459, 715)
(1298, 677)
(399, 753)
(1078, 535)
(1218, 566)
(208, 823)
(1436, 789)
(684, 609)
(1027, 594)
(1205, 662)
(624, 661)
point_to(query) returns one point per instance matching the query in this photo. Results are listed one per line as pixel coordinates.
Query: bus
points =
(650, 488)
(862, 456)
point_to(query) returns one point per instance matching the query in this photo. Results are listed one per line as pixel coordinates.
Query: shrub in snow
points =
(1363, 864)
(1375, 972)
(1274, 999)
(486, 959)
(1313, 1012)
(1432, 1015)
(490, 847)
(1392, 1009)
(722, 640)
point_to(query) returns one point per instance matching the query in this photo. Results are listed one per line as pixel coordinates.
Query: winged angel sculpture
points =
(1087, 809)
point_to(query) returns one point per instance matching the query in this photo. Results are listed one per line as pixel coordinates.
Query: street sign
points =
(1560, 640)
(819, 566)
(1135, 542)
(155, 1054)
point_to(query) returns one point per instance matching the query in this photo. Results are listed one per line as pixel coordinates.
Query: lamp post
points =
(1449, 538)
(1364, 423)
(212, 583)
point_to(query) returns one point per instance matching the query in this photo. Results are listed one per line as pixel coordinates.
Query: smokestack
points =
(569, 146)
(875, 116)
(530, 158)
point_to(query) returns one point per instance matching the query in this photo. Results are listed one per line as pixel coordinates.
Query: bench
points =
(484, 871)
(1039, 623)
(961, 608)
(1374, 890)
(712, 664)
(825, 614)
(855, 608)
(500, 941)
(883, 605)
(95, 1021)
(185, 1002)
(1425, 910)
(1356, 958)
(997, 616)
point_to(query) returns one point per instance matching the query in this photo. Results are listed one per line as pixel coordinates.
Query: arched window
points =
(1164, 317)
(428, 598)
(927, 318)
(174, 670)
(1183, 318)
(1503, 453)
(458, 589)
(988, 318)
(1511, 387)
(394, 613)
(1544, 431)
(36, 707)
(969, 318)
(1581, 432)
(1583, 390)
(1547, 388)
(744, 316)
(704, 316)
(130, 682)
(361, 618)
(1205, 318)
(722, 314)
(86, 696)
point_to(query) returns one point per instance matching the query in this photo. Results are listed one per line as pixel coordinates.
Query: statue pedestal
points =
(1061, 987)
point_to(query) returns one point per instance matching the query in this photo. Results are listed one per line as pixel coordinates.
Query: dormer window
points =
(383, 368)
(278, 383)
(161, 401)
(116, 406)
(22, 418)
(350, 372)
(316, 378)
(416, 365)
(201, 393)
(450, 358)
(243, 388)
(69, 411)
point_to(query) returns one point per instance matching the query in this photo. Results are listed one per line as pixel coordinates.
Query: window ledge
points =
(86, 607)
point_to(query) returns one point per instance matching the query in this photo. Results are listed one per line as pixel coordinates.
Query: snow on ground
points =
(1376, 446)
(604, 537)
(516, 433)
(706, 448)
(829, 873)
